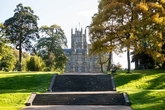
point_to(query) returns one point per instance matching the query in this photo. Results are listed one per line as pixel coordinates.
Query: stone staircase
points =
(82, 83)
(80, 89)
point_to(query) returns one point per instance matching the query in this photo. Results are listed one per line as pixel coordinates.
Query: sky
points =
(66, 13)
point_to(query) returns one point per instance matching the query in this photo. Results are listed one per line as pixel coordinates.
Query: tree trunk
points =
(128, 60)
(109, 61)
(20, 58)
(101, 64)
(163, 65)
(20, 53)
(101, 67)
(136, 63)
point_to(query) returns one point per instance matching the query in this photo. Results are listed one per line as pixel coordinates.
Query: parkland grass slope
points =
(15, 88)
(146, 88)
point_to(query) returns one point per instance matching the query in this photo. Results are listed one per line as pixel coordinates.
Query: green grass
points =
(145, 88)
(15, 88)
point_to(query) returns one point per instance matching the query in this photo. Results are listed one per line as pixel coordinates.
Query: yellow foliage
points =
(143, 6)
(157, 56)
(128, 25)
(157, 19)
(160, 35)
(162, 1)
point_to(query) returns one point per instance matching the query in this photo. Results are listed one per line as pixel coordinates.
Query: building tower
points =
(78, 54)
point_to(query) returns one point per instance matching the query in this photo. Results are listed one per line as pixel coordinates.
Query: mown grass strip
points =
(145, 88)
(15, 88)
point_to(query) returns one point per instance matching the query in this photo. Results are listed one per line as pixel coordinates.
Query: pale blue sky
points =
(65, 13)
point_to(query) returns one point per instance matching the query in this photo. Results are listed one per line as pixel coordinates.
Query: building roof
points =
(67, 50)
(80, 50)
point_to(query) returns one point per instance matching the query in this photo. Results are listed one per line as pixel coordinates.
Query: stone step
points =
(89, 92)
(79, 99)
(63, 83)
(78, 107)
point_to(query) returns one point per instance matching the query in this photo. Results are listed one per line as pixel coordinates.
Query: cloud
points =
(87, 13)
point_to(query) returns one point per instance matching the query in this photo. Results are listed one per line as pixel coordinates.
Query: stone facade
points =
(78, 59)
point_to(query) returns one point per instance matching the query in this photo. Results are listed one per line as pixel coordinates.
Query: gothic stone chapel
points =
(78, 59)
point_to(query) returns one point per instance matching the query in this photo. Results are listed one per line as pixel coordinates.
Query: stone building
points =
(78, 59)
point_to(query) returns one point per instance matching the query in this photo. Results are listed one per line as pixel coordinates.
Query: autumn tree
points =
(50, 45)
(151, 28)
(115, 16)
(99, 47)
(22, 29)
(130, 24)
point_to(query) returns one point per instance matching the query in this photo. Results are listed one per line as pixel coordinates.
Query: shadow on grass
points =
(122, 79)
(147, 100)
(145, 88)
(148, 71)
(157, 82)
(143, 79)
(25, 83)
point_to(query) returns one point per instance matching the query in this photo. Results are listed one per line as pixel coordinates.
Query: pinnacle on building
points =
(78, 59)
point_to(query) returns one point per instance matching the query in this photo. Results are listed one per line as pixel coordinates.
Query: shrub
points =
(7, 58)
(35, 63)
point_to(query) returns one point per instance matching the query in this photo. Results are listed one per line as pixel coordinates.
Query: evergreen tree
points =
(22, 29)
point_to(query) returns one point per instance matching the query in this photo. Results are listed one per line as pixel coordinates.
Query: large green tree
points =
(50, 46)
(22, 29)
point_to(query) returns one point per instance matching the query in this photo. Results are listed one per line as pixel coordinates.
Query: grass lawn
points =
(145, 88)
(15, 88)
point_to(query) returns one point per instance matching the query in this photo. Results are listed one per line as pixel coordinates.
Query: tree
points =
(105, 59)
(114, 18)
(99, 46)
(25, 56)
(49, 47)
(22, 29)
(150, 29)
(130, 24)
(143, 61)
(7, 59)
(1, 29)
(2, 32)
(109, 62)
(35, 63)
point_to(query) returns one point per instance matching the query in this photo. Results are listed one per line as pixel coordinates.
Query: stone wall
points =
(78, 59)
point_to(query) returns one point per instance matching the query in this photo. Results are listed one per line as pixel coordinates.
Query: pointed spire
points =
(71, 31)
(85, 32)
(81, 31)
